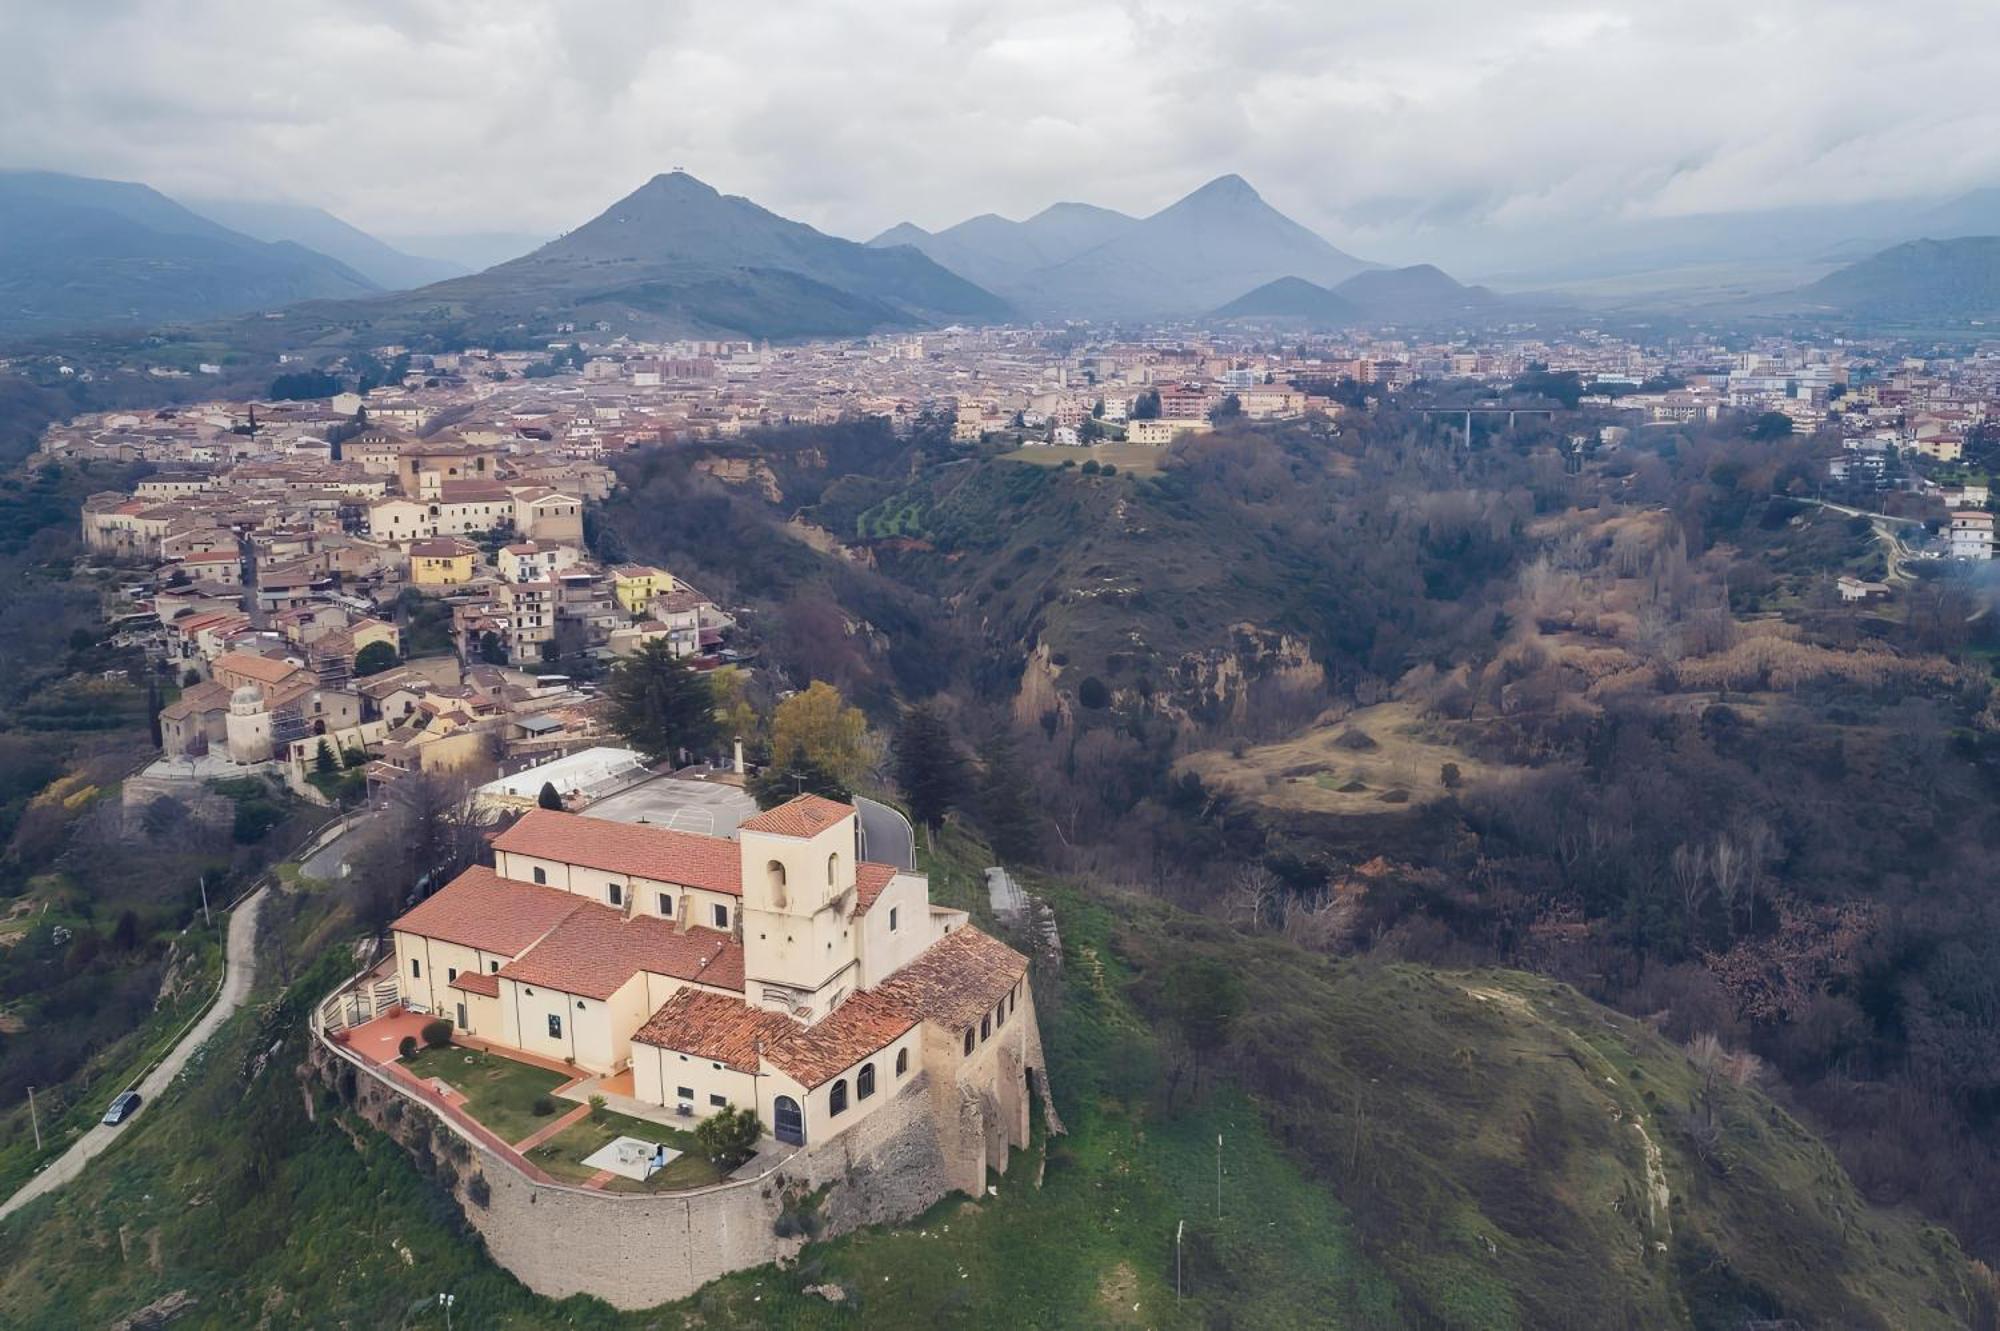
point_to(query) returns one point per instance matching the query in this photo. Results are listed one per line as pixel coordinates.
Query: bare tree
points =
(1689, 868)
(1253, 896)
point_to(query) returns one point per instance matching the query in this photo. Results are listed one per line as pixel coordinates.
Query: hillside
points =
(674, 257)
(1292, 299)
(1422, 292)
(79, 253)
(1400, 1148)
(322, 232)
(1919, 282)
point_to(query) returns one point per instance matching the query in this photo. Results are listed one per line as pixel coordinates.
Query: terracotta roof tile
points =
(869, 880)
(956, 979)
(857, 1028)
(800, 816)
(480, 909)
(473, 982)
(714, 864)
(714, 1026)
(595, 950)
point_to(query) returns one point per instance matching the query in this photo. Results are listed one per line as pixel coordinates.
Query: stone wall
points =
(635, 1251)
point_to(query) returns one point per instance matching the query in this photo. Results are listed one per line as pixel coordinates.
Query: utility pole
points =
(35, 1119)
(1179, 1230)
(205, 921)
(1218, 1176)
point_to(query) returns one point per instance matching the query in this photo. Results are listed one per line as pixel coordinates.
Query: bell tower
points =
(800, 937)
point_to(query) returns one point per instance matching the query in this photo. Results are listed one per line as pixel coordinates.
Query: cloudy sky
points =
(1369, 122)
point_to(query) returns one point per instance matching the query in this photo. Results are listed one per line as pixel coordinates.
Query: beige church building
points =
(777, 972)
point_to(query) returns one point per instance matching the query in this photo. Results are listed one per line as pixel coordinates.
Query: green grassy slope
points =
(1504, 1146)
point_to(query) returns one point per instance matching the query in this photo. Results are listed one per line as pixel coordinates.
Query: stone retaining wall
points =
(638, 1250)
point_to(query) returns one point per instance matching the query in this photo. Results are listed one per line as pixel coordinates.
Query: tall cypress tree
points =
(930, 771)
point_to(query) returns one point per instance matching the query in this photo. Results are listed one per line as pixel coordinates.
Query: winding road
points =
(238, 974)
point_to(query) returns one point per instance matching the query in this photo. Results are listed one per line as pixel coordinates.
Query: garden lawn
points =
(563, 1154)
(498, 1091)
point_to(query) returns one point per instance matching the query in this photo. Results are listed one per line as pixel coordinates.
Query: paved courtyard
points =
(709, 807)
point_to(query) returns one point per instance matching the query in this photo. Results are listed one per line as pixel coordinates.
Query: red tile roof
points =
(857, 1028)
(714, 1026)
(474, 982)
(714, 864)
(869, 880)
(956, 980)
(595, 950)
(800, 816)
(480, 909)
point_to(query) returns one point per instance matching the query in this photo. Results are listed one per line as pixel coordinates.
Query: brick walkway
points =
(542, 1134)
(599, 1179)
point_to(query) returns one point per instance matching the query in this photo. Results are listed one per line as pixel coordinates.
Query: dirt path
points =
(1659, 1197)
(239, 973)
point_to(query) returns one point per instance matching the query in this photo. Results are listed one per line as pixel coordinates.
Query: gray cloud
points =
(1373, 123)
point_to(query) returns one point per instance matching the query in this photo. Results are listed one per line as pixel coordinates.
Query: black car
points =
(121, 1109)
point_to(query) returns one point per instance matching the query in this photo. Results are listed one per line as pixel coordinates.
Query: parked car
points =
(121, 1109)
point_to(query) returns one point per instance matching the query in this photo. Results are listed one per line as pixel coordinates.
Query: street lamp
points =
(445, 1301)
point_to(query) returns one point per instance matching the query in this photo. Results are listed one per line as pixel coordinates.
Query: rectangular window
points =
(541, 874)
(892, 919)
(555, 1026)
(615, 894)
(684, 1092)
(667, 904)
(493, 967)
(719, 1101)
(450, 974)
(416, 969)
(721, 917)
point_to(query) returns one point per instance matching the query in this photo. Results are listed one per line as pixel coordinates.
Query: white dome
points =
(246, 695)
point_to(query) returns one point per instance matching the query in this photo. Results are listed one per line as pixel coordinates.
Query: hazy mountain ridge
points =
(1421, 292)
(320, 231)
(78, 252)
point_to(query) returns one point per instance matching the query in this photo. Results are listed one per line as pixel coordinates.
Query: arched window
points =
(968, 1039)
(864, 1082)
(833, 869)
(836, 1100)
(774, 872)
(902, 1061)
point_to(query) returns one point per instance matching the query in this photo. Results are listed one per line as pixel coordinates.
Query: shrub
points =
(1109, 469)
(408, 1048)
(729, 1136)
(1449, 775)
(479, 1191)
(542, 1107)
(1093, 694)
(1091, 468)
(437, 1034)
(597, 1108)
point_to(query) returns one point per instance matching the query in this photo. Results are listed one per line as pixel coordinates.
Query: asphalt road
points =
(238, 974)
(886, 835)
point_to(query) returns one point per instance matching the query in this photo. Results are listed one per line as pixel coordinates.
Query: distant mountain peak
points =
(1230, 188)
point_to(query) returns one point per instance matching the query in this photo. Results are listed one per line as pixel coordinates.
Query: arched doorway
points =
(788, 1122)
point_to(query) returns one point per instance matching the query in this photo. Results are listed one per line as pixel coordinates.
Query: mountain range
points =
(678, 257)
(77, 252)
(1076, 261)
